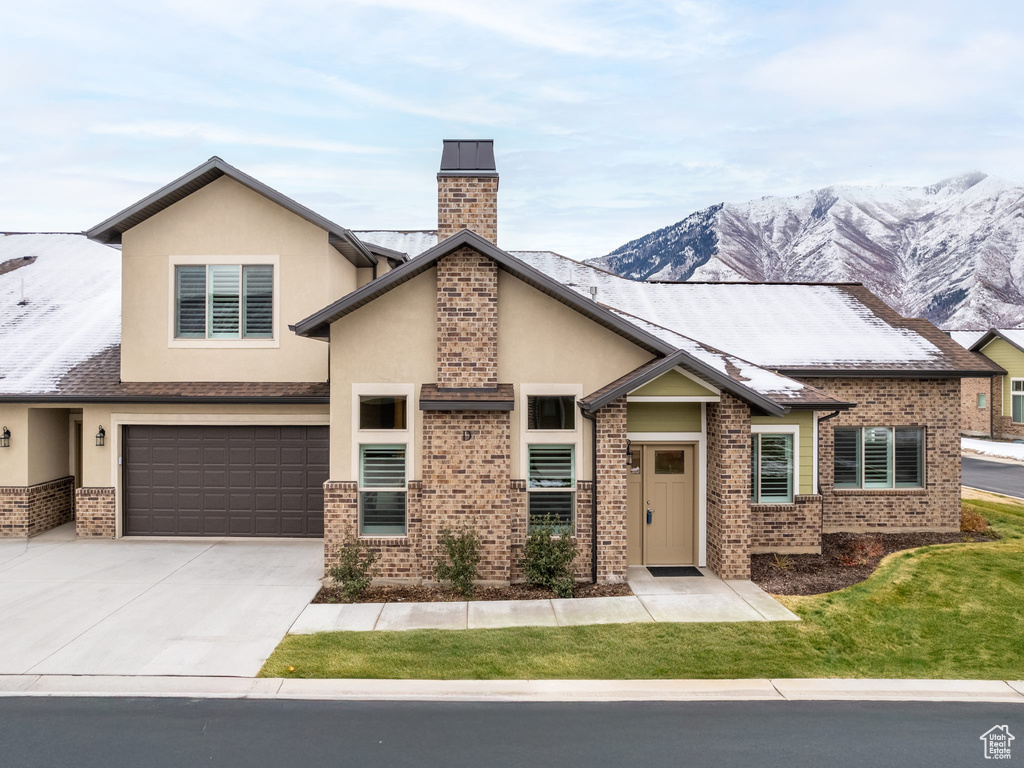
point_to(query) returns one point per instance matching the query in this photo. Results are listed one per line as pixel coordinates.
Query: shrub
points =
(782, 562)
(458, 558)
(548, 556)
(971, 520)
(355, 568)
(862, 553)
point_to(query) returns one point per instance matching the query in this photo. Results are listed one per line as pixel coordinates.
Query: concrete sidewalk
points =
(678, 599)
(1010, 692)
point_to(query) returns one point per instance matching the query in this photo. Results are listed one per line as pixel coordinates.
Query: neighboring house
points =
(274, 374)
(994, 407)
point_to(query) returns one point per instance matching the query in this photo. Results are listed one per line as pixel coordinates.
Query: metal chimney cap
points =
(468, 157)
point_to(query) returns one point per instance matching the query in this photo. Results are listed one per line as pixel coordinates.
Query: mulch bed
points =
(845, 559)
(411, 593)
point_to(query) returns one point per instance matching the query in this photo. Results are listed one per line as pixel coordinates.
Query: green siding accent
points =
(804, 420)
(673, 384)
(663, 417)
(1012, 359)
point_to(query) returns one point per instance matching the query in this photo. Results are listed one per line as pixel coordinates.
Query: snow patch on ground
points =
(992, 448)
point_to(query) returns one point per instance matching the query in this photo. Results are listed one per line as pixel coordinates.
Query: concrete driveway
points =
(145, 607)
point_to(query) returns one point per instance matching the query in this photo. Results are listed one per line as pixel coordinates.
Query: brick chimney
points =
(467, 189)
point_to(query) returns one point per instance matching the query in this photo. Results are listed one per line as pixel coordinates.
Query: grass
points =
(945, 611)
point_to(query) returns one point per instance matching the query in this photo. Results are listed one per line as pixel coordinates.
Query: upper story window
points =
(224, 301)
(382, 412)
(879, 457)
(551, 412)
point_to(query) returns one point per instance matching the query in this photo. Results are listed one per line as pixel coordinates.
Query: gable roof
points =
(109, 232)
(1012, 336)
(806, 329)
(684, 351)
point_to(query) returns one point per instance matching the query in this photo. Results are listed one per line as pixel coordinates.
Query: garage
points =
(184, 480)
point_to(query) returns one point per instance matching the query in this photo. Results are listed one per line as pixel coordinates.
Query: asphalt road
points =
(993, 476)
(112, 732)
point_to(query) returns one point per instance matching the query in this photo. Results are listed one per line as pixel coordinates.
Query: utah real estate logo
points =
(997, 742)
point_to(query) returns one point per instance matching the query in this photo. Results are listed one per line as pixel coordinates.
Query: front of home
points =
(268, 373)
(994, 406)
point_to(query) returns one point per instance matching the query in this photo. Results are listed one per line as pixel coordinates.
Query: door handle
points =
(650, 515)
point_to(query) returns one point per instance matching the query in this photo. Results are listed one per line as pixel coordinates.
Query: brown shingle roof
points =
(499, 398)
(99, 378)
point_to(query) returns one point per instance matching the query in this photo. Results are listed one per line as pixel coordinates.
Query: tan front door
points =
(669, 509)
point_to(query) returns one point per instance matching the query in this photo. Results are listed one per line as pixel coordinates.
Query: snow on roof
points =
(778, 325)
(768, 383)
(411, 242)
(966, 339)
(71, 309)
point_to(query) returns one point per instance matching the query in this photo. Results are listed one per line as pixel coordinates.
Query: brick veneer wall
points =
(975, 421)
(1003, 426)
(931, 403)
(611, 491)
(33, 509)
(467, 320)
(467, 202)
(787, 527)
(96, 513)
(728, 488)
(468, 482)
(581, 529)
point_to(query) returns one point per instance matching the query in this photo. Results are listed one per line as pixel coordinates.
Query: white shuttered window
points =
(224, 301)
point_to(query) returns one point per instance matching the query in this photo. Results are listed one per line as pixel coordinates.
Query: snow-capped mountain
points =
(952, 252)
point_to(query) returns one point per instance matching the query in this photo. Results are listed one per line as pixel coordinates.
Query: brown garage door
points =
(224, 481)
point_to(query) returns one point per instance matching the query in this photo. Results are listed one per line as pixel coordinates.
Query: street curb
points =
(759, 689)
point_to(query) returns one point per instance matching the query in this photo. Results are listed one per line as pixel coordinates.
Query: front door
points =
(669, 519)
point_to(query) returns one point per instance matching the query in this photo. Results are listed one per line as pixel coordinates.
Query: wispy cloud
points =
(211, 134)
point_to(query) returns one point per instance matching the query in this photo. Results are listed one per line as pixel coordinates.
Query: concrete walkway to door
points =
(679, 599)
(150, 607)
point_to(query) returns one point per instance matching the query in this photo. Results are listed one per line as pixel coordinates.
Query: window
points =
(772, 475)
(1017, 400)
(981, 400)
(382, 490)
(551, 412)
(381, 412)
(669, 463)
(550, 484)
(879, 457)
(224, 301)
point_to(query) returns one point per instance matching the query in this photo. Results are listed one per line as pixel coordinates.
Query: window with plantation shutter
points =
(382, 490)
(190, 302)
(224, 301)
(879, 457)
(1017, 400)
(551, 484)
(258, 301)
(773, 470)
(847, 458)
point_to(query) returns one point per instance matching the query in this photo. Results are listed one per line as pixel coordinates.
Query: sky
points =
(610, 119)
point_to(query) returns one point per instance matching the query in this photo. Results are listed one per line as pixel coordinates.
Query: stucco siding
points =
(228, 223)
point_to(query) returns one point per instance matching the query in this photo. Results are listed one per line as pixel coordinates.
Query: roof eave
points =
(886, 373)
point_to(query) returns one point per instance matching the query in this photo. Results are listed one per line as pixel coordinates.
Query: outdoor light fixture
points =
(5, 438)
(101, 436)
(629, 453)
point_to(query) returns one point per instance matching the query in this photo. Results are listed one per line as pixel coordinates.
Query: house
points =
(994, 406)
(268, 372)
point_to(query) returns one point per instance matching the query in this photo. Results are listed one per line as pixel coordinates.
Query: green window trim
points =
(224, 301)
(878, 457)
(382, 489)
(773, 468)
(1017, 401)
(551, 484)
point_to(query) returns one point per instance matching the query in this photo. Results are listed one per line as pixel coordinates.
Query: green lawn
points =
(950, 611)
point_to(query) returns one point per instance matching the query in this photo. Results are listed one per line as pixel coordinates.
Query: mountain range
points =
(952, 252)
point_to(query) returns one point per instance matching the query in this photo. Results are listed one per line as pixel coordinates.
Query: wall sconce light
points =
(101, 436)
(629, 453)
(5, 438)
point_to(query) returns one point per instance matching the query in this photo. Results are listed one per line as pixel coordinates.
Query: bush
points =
(458, 558)
(971, 520)
(548, 556)
(354, 570)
